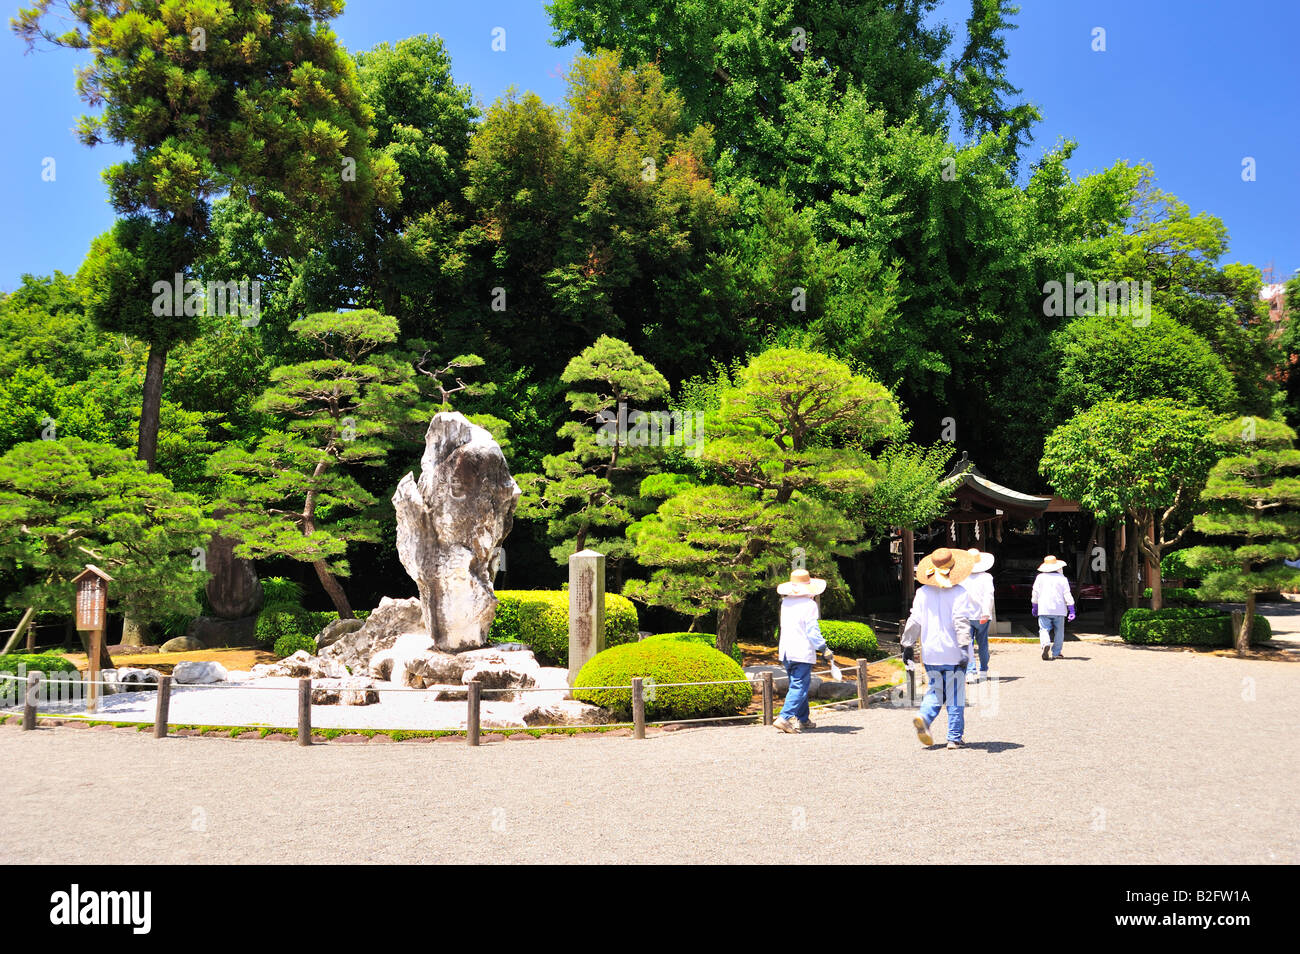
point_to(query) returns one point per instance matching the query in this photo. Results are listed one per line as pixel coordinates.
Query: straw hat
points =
(983, 561)
(802, 583)
(944, 568)
(1052, 565)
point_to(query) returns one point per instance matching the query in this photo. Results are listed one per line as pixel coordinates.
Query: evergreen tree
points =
(1253, 498)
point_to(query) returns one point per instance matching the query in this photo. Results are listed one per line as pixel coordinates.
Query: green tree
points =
(65, 503)
(291, 495)
(788, 435)
(1105, 357)
(253, 97)
(1146, 460)
(591, 488)
(1253, 498)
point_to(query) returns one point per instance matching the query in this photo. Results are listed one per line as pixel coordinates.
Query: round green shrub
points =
(290, 643)
(1185, 626)
(665, 661)
(540, 619)
(704, 639)
(848, 638)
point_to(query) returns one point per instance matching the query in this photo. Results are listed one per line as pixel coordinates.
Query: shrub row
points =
(12, 689)
(540, 620)
(665, 661)
(1181, 595)
(1185, 626)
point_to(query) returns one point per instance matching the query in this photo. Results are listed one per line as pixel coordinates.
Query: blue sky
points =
(1189, 86)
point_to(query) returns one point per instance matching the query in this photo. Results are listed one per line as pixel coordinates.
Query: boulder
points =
(136, 680)
(409, 649)
(234, 591)
(198, 673)
(181, 644)
(450, 522)
(570, 712)
(380, 631)
(336, 630)
(301, 664)
(348, 691)
(830, 689)
(213, 631)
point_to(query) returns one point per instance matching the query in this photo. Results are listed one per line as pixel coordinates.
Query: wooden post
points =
(304, 711)
(96, 647)
(29, 701)
(862, 683)
(767, 698)
(164, 704)
(17, 634)
(471, 719)
(907, 569)
(911, 687)
(638, 709)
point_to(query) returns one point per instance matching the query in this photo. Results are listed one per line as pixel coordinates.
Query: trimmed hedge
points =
(848, 638)
(1181, 595)
(665, 661)
(290, 643)
(33, 662)
(1185, 626)
(704, 639)
(540, 619)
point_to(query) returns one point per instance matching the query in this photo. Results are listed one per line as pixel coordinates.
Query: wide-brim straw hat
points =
(944, 568)
(802, 583)
(1052, 565)
(983, 561)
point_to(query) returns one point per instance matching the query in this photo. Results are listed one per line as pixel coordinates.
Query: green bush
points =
(290, 643)
(848, 638)
(665, 661)
(704, 639)
(11, 690)
(301, 624)
(1185, 626)
(540, 619)
(1174, 595)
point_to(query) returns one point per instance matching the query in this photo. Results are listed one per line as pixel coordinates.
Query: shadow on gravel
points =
(993, 747)
(1072, 659)
(835, 729)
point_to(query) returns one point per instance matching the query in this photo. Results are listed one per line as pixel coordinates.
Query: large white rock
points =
(449, 524)
(196, 673)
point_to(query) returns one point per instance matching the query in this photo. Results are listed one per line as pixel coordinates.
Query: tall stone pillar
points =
(586, 608)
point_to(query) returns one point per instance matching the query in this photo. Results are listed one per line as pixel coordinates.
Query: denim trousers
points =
(1051, 628)
(979, 636)
(796, 697)
(945, 686)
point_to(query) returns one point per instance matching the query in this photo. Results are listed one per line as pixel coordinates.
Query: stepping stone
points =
(555, 736)
(280, 737)
(188, 733)
(102, 728)
(493, 737)
(249, 735)
(351, 738)
(522, 737)
(381, 739)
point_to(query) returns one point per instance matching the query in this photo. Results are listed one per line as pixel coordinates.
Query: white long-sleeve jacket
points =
(980, 588)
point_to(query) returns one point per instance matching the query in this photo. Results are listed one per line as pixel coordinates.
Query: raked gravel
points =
(1113, 754)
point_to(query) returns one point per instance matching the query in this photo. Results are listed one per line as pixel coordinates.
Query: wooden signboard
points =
(91, 612)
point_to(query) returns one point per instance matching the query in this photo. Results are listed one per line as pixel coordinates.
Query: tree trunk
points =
(1153, 562)
(335, 591)
(1111, 584)
(728, 620)
(147, 444)
(1242, 635)
(1132, 553)
(907, 567)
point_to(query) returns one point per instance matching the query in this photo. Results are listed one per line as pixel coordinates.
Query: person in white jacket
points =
(979, 585)
(1053, 604)
(801, 643)
(940, 621)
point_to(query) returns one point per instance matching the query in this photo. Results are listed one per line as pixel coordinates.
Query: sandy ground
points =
(1113, 754)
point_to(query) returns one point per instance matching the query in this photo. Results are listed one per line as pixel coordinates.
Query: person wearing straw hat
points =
(979, 586)
(941, 614)
(801, 643)
(1053, 604)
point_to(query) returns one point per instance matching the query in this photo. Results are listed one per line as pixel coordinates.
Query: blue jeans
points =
(796, 697)
(945, 686)
(1049, 625)
(979, 634)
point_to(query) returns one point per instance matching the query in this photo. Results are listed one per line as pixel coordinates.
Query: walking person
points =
(801, 643)
(940, 622)
(1053, 604)
(979, 586)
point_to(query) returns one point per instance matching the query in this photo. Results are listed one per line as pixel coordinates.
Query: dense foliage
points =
(1190, 626)
(666, 662)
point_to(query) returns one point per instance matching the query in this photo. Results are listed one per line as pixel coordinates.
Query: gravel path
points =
(1114, 754)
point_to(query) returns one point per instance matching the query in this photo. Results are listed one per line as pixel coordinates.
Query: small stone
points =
(193, 673)
(352, 737)
(182, 644)
(493, 737)
(379, 738)
(521, 737)
(279, 737)
(103, 727)
(249, 735)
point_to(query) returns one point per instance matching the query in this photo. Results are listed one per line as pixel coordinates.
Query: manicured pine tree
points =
(1253, 498)
(291, 495)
